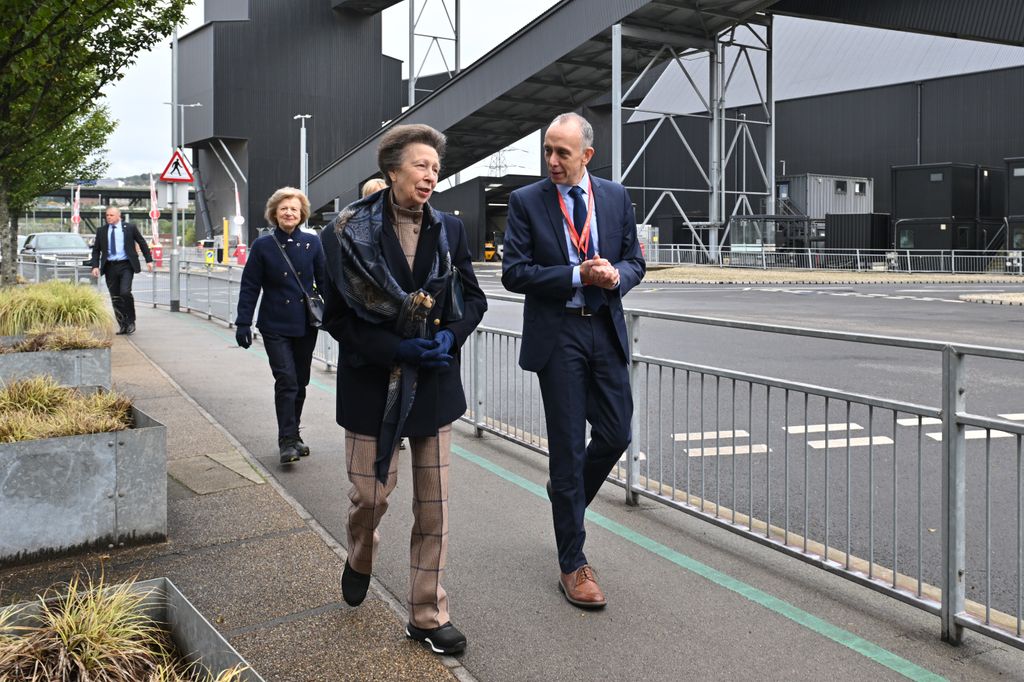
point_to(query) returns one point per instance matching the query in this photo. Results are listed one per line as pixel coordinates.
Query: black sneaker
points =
(303, 448)
(354, 585)
(289, 450)
(443, 640)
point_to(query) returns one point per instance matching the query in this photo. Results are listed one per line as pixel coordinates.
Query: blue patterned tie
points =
(592, 296)
(113, 241)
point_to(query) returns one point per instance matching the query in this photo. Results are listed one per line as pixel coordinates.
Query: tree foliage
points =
(55, 59)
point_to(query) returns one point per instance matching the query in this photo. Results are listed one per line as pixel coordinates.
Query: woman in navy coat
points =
(283, 320)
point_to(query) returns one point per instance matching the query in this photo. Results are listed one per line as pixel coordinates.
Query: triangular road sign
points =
(177, 169)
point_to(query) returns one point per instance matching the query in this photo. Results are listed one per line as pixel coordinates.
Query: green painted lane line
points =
(797, 615)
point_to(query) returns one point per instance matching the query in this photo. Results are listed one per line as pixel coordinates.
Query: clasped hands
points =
(599, 272)
(427, 353)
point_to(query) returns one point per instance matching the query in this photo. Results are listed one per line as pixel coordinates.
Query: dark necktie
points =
(113, 241)
(593, 296)
(579, 215)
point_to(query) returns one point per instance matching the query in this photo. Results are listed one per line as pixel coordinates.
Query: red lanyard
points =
(581, 242)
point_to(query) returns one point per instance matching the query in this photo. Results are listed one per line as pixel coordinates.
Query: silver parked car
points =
(57, 252)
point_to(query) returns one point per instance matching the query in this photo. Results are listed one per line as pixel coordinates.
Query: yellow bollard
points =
(224, 253)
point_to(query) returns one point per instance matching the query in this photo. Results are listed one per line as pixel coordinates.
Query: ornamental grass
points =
(52, 304)
(60, 338)
(95, 632)
(38, 407)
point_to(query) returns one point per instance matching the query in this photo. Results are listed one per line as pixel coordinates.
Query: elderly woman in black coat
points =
(287, 265)
(395, 305)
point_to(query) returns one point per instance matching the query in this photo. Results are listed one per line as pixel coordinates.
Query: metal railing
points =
(855, 260)
(890, 494)
(893, 494)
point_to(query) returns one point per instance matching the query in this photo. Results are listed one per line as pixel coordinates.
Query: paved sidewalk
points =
(252, 546)
(252, 561)
(709, 274)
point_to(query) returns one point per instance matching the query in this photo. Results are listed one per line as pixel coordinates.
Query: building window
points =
(783, 190)
(1018, 172)
(935, 177)
(906, 239)
(860, 188)
(840, 186)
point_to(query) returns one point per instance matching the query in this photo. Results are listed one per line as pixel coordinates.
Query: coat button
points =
(287, 300)
(437, 322)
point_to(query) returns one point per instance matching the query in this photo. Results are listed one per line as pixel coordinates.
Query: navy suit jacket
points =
(132, 236)
(535, 261)
(283, 306)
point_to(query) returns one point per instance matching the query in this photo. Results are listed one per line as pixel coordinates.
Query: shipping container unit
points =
(949, 206)
(967, 235)
(815, 195)
(1015, 203)
(857, 231)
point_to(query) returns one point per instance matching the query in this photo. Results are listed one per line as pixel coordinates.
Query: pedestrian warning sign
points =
(177, 169)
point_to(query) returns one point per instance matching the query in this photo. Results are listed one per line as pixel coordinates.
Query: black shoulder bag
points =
(314, 303)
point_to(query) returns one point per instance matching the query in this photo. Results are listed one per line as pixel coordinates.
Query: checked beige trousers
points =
(428, 546)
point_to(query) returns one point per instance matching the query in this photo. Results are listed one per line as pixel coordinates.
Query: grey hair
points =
(586, 129)
(392, 145)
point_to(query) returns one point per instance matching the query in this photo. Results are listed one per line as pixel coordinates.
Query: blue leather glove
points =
(410, 350)
(243, 335)
(438, 357)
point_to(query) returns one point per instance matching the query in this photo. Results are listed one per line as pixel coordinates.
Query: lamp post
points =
(303, 157)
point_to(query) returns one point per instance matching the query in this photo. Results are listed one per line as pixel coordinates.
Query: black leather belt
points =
(586, 312)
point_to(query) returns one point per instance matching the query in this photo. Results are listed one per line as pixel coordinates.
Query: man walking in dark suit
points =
(114, 255)
(571, 248)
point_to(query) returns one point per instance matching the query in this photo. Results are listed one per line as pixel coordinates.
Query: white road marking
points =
(853, 442)
(1013, 416)
(757, 449)
(973, 434)
(821, 428)
(709, 435)
(912, 421)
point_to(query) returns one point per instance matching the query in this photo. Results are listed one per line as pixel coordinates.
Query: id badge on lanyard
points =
(581, 241)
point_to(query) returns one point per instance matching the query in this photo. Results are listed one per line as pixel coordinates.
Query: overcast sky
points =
(142, 141)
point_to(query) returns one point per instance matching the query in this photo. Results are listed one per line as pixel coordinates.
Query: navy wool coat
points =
(283, 307)
(367, 351)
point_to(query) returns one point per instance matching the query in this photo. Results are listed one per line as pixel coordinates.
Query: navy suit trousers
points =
(585, 380)
(119, 276)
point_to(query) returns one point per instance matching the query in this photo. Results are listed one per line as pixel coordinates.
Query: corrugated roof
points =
(815, 58)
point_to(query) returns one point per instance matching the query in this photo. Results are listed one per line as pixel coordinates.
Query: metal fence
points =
(856, 260)
(905, 509)
(895, 495)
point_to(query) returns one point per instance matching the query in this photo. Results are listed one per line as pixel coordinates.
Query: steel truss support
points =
(447, 44)
(727, 55)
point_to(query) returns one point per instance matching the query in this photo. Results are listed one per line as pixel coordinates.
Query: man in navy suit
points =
(571, 248)
(114, 255)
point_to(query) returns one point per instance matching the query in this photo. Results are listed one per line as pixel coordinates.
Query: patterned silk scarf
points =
(363, 277)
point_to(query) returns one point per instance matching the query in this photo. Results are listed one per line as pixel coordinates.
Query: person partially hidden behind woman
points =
(390, 259)
(284, 319)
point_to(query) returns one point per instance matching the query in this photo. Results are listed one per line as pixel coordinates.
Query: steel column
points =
(617, 102)
(954, 485)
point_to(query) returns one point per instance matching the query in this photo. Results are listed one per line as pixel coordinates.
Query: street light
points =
(180, 142)
(303, 157)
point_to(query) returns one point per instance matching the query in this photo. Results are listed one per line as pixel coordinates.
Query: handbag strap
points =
(291, 267)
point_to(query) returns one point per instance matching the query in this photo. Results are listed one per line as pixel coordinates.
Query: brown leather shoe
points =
(580, 588)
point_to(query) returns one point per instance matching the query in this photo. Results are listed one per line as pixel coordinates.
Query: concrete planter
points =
(61, 495)
(82, 367)
(193, 635)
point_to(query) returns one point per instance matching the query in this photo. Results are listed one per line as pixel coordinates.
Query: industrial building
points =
(748, 120)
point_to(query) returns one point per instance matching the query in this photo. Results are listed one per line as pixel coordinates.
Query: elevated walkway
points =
(556, 63)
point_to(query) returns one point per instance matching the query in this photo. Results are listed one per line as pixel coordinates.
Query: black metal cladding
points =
(857, 231)
(999, 21)
(968, 118)
(290, 58)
